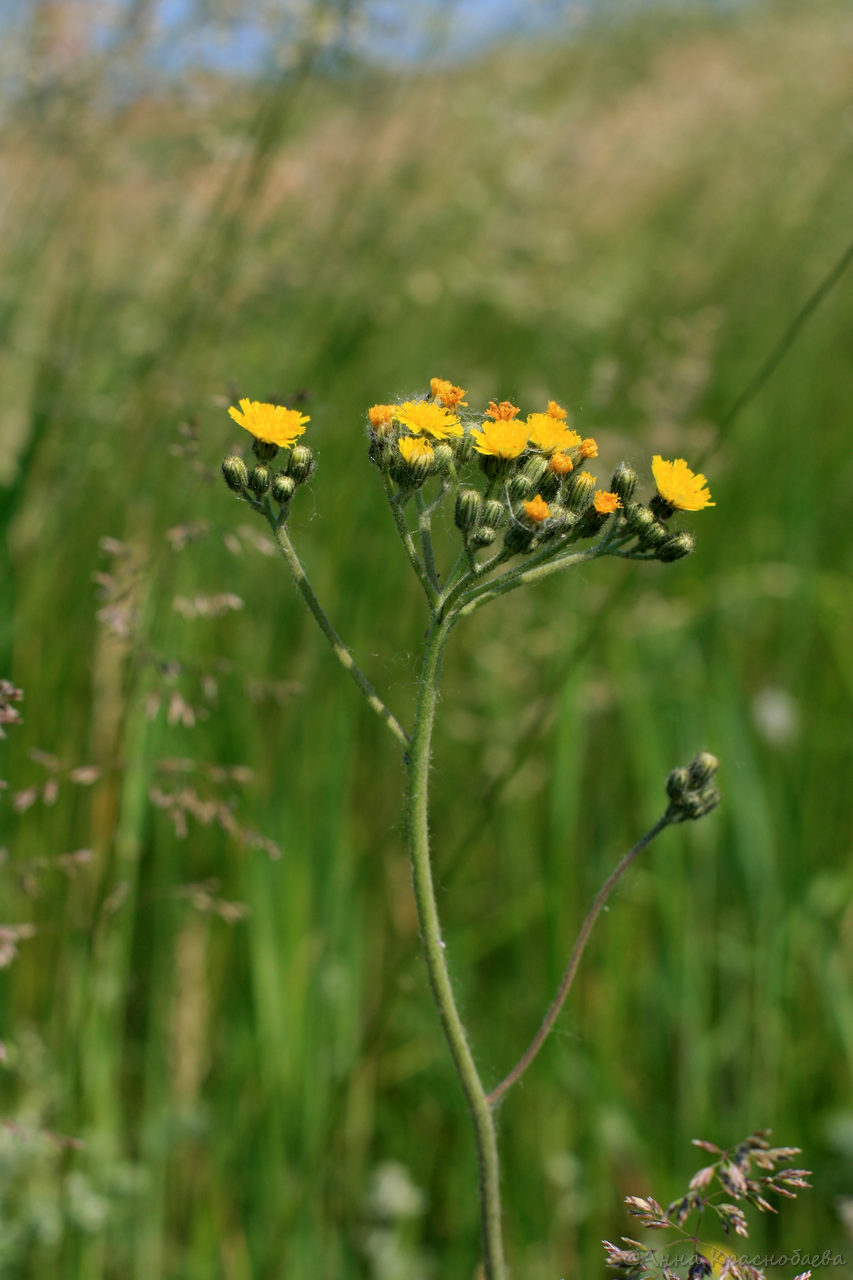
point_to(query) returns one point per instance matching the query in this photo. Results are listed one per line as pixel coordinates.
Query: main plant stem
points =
(418, 760)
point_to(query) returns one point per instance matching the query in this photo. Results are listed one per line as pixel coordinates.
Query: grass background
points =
(625, 220)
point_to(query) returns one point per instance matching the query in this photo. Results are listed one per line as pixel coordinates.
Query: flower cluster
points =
(535, 487)
(521, 482)
(274, 428)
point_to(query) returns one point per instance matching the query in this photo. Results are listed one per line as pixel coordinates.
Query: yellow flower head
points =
(588, 448)
(678, 485)
(412, 447)
(446, 394)
(547, 432)
(537, 509)
(606, 502)
(561, 464)
(431, 419)
(501, 439)
(502, 412)
(271, 423)
(380, 415)
(583, 477)
(555, 410)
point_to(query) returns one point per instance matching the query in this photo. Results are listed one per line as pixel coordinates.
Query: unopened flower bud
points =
(579, 490)
(535, 468)
(264, 450)
(494, 513)
(518, 538)
(483, 536)
(443, 457)
(643, 523)
(259, 479)
(282, 488)
(702, 769)
(235, 473)
(677, 783)
(691, 791)
(469, 508)
(301, 464)
(463, 447)
(661, 508)
(520, 487)
(675, 546)
(624, 482)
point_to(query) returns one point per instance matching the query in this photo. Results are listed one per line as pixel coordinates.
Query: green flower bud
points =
(535, 468)
(642, 522)
(701, 770)
(624, 482)
(520, 487)
(443, 457)
(469, 509)
(381, 451)
(675, 546)
(283, 488)
(691, 792)
(301, 464)
(518, 538)
(259, 479)
(678, 783)
(660, 507)
(579, 491)
(235, 473)
(484, 536)
(264, 450)
(591, 522)
(549, 485)
(463, 447)
(494, 513)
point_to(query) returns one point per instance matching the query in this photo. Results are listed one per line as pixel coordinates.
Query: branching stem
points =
(574, 960)
(339, 649)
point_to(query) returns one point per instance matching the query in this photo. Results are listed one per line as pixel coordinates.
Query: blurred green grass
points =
(626, 222)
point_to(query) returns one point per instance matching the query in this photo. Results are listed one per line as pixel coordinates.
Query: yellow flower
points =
(606, 502)
(678, 485)
(502, 412)
(561, 464)
(583, 477)
(588, 448)
(555, 410)
(432, 419)
(380, 415)
(411, 447)
(501, 439)
(445, 393)
(547, 432)
(537, 509)
(271, 423)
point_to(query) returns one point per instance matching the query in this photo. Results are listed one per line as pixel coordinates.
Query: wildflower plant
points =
(525, 506)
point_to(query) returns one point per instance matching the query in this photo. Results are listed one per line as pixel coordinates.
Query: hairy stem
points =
(574, 960)
(395, 502)
(339, 649)
(418, 816)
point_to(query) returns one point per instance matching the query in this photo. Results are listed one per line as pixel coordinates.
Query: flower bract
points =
(431, 419)
(501, 439)
(271, 423)
(679, 486)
